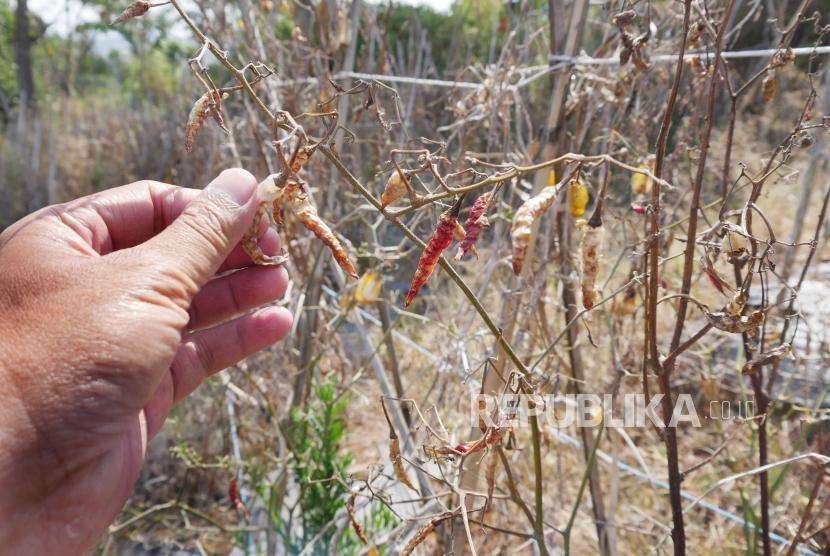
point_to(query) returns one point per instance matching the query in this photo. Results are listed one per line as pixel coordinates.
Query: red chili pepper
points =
(440, 240)
(233, 493)
(476, 220)
(716, 280)
(236, 502)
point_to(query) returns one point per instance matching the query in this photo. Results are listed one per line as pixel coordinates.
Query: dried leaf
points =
(722, 320)
(625, 303)
(770, 357)
(734, 243)
(397, 462)
(295, 196)
(624, 18)
(490, 476)
(136, 9)
(640, 60)
(520, 234)
(696, 31)
(736, 305)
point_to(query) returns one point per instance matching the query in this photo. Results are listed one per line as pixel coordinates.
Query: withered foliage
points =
(770, 357)
(644, 125)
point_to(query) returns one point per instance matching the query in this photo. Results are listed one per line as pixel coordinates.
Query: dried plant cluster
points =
(644, 259)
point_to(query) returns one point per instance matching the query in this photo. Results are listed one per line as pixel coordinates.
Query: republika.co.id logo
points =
(592, 410)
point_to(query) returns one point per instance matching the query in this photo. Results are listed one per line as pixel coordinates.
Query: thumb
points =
(202, 236)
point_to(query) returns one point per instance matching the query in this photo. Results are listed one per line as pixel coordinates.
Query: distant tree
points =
(24, 39)
(8, 78)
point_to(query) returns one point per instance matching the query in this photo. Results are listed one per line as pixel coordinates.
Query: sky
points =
(62, 15)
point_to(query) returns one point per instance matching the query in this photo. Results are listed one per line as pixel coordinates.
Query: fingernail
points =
(236, 183)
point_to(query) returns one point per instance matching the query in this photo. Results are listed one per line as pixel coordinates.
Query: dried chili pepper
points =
(476, 221)
(577, 197)
(532, 209)
(301, 158)
(397, 462)
(769, 86)
(358, 528)
(236, 501)
(641, 183)
(269, 194)
(396, 187)
(552, 176)
(295, 196)
(591, 251)
(368, 288)
(441, 239)
(136, 9)
(209, 104)
(395, 452)
(421, 536)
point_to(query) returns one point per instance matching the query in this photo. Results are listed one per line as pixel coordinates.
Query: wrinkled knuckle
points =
(193, 314)
(209, 221)
(202, 357)
(234, 294)
(150, 185)
(240, 338)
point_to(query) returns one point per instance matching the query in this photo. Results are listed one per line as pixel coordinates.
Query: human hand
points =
(111, 311)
